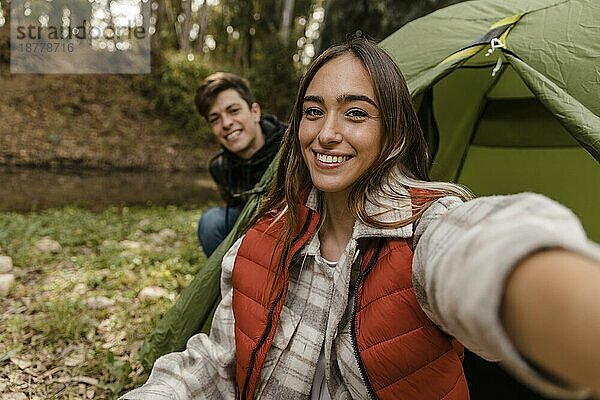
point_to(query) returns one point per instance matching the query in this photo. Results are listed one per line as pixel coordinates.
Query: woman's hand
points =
(551, 312)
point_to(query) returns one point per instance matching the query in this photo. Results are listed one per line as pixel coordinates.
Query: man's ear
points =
(255, 109)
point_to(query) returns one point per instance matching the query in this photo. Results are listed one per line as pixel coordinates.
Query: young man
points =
(248, 141)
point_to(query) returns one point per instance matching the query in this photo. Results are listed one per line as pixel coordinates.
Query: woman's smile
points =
(325, 160)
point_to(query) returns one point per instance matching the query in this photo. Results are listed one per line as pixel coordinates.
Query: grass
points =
(73, 322)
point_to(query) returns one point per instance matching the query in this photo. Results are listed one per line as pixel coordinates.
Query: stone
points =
(164, 236)
(152, 293)
(21, 363)
(48, 245)
(131, 245)
(6, 283)
(6, 264)
(75, 359)
(131, 276)
(14, 396)
(99, 302)
(80, 289)
(144, 223)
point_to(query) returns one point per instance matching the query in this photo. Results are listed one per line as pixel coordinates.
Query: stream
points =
(34, 189)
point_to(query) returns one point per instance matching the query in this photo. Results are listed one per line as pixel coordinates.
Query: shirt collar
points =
(385, 208)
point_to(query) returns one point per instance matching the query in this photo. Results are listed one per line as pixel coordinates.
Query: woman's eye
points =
(312, 112)
(357, 114)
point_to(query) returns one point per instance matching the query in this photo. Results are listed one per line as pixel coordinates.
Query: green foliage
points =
(376, 19)
(61, 318)
(172, 89)
(119, 370)
(274, 78)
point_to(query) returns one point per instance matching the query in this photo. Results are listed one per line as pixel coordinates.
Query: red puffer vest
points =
(401, 353)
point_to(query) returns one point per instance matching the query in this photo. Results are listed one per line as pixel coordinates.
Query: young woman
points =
(361, 279)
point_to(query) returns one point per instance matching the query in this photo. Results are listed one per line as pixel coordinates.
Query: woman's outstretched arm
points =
(465, 256)
(551, 312)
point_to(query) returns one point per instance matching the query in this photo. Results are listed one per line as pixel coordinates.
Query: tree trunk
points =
(203, 28)
(186, 26)
(286, 20)
(247, 43)
(156, 59)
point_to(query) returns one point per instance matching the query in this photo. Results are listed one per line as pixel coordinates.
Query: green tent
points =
(508, 96)
(193, 310)
(523, 117)
(533, 126)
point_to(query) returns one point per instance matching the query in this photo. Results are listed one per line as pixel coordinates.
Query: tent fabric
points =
(533, 126)
(522, 116)
(193, 310)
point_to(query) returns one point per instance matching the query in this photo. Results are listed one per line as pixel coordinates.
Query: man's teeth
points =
(233, 135)
(332, 159)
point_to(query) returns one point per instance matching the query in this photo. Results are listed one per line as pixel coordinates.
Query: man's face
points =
(235, 125)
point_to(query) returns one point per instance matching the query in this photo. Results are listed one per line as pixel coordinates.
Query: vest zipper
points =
(267, 330)
(361, 365)
(262, 340)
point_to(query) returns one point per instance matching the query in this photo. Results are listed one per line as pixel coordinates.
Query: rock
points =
(6, 283)
(144, 223)
(75, 359)
(109, 243)
(80, 289)
(14, 396)
(6, 264)
(152, 293)
(167, 234)
(99, 302)
(85, 379)
(131, 245)
(21, 363)
(47, 245)
(164, 236)
(131, 276)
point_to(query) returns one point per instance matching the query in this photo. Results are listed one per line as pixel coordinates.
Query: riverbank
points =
(90, 121)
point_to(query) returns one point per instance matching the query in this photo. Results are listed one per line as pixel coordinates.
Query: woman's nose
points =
(330, 131)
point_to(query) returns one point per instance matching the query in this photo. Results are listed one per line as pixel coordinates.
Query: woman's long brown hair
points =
(403, 147)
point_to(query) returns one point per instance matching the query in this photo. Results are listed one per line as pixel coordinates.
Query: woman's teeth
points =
(331, 159)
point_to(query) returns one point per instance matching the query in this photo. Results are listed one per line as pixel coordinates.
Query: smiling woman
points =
(362, 279)
(340, 132)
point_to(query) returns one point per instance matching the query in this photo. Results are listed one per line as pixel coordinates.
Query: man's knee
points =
(212, 219)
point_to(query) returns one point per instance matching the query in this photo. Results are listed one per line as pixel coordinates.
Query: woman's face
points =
(340, 129)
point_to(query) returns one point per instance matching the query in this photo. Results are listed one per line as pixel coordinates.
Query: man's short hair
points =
(214, 84)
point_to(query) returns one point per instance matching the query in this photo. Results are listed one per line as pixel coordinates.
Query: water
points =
(24, 189)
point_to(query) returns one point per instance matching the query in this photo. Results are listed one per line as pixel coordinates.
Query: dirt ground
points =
(95, 121)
